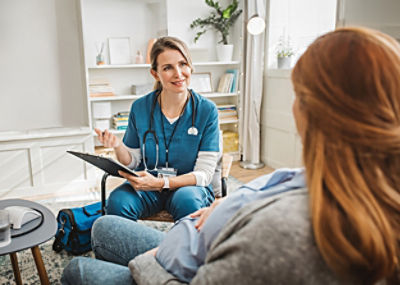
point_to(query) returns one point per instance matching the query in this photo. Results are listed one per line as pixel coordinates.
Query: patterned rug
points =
(55, 262)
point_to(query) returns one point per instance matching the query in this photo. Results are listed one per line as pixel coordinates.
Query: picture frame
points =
(120, 50)
(201, 82)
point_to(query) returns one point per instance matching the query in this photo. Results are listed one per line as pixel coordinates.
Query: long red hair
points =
(348, 86)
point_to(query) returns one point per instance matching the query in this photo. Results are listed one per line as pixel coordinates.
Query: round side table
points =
(30, 240)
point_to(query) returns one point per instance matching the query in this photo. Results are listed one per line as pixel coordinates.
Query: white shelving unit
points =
(145, 65)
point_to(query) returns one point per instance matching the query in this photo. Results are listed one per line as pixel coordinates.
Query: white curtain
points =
(253, 87)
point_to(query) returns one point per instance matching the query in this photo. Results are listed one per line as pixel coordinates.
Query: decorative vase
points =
(100, 59)
(224, 52)
(284, 62)
(139, 57)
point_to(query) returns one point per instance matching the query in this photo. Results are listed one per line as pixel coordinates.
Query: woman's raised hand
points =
(204, 213)
(145, 181)
(152, 252)
(107, 139)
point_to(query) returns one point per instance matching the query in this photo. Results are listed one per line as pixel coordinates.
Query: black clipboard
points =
(107, 164)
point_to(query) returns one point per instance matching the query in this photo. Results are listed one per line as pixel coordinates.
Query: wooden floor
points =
(246, 175)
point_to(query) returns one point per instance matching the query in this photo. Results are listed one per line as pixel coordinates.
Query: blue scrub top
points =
(183, 148)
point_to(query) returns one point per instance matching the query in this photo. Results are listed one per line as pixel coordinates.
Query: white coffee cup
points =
(5, 232)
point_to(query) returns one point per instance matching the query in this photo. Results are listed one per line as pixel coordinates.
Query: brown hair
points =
(163, 44)
(348, 87)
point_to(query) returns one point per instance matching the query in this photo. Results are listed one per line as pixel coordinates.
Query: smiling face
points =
(173, 71)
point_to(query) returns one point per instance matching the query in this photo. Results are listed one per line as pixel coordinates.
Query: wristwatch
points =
(166, 183)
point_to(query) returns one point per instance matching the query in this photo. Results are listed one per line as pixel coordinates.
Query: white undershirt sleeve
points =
(136, 157)
(204, 168)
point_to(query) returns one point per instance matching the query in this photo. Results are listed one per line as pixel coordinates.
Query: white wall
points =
(383, 15)
(103, 19)
(180, 14)
(303, 21)
(41, 72)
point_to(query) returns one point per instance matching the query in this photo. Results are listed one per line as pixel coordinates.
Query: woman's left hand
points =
(203, 213)
(145, 181)
(152, 252)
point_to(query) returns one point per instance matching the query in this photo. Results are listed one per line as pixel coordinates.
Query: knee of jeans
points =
(120, 205)
(72, 272)
(186, 201)
(191, 195)
(100, 227)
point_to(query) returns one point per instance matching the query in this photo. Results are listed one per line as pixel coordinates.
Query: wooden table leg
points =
(40, 265)
(14, 262)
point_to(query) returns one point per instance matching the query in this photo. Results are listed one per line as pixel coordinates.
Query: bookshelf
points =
(209, 63)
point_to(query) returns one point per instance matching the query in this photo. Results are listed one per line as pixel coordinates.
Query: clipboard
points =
(107, 164)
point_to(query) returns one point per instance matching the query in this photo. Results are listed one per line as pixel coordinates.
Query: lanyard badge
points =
(166, 172)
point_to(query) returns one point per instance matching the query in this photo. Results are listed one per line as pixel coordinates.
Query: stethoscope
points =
(191, 131)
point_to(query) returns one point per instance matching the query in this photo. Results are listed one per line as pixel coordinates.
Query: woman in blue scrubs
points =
(173, 136)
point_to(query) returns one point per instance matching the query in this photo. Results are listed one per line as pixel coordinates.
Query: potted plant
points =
(284, 53)
(220, 20)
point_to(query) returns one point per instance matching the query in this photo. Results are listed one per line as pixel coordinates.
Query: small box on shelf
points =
(139, 89)
(102, 124)
(101, 110)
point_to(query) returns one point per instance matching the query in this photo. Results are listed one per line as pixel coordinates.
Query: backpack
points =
(74, 228)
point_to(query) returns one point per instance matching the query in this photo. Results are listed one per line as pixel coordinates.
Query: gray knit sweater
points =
(266, 242)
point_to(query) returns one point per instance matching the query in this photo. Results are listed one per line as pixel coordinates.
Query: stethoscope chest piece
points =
(192, 131)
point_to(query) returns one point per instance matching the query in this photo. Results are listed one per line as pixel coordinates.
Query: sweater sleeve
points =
(136, 157)
(147, 271)
(205, 167)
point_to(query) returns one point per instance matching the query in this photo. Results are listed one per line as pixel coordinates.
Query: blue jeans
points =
(124, 201)
(115, 241)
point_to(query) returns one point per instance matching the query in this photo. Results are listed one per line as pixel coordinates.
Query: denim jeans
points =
(115, 241)
(131, 204)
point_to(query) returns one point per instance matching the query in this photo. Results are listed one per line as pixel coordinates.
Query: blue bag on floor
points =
(74, 228)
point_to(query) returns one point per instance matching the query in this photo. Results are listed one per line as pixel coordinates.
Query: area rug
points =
(55, 262)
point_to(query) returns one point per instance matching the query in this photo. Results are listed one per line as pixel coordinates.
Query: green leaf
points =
(227, 13)
(219, 20)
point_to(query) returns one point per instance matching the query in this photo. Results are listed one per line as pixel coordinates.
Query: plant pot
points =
(284, 62)
(224, 52)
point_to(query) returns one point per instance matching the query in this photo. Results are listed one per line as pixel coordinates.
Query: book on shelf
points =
(98, 81)
(228, 82)
(120, 120)
(225, 83)
(226, 107)
(234, 85)
(100, 88)
(228, 119)
(120, 123)
(100, 94)
(230, 114)
(123, 114)
(227, 112)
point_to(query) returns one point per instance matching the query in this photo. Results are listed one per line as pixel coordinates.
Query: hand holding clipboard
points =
(107, 164)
